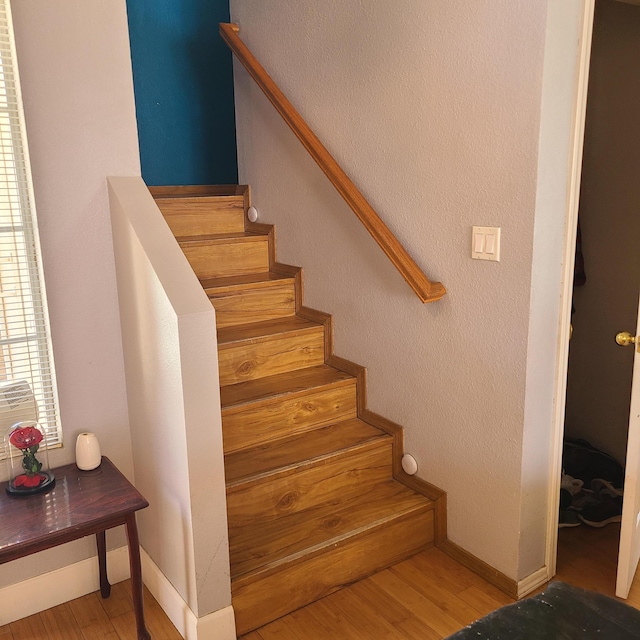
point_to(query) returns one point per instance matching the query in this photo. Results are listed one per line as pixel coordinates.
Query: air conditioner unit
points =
(17, 404)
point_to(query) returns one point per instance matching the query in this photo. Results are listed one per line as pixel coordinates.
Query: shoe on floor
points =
(584, 499)
(572, 485)
(568, 518)
(599, 515)
(599, 485)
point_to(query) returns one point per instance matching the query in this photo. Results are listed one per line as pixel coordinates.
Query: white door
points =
(629, 552)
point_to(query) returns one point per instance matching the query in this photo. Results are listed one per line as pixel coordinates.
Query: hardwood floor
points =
(92, 618)
(588, 558)
(430, 595)
(426, 597)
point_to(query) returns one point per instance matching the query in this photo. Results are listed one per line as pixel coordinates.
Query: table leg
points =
(105, 587)
(136, 575)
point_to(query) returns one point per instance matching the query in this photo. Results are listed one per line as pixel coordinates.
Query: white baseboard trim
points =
(533, 581)
(54, 588)
(219, 625)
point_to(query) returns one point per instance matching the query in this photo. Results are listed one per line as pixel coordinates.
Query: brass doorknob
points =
(624, 339)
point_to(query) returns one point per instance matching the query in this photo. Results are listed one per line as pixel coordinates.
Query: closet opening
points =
(605, 303)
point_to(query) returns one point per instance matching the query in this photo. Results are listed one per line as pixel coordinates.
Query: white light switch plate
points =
(485, 243)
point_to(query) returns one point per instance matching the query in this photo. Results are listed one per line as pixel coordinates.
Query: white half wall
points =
(73, 58)
(171, 361)
(434, 110)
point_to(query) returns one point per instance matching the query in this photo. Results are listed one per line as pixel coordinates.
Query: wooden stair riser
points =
(228, 256)
(257, 422)
(267, 303)
(258, 599)
(203, 216)
(258, 358)
(280, 539)
(332, 479)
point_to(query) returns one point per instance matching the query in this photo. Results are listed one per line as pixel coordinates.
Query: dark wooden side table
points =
(82, 503)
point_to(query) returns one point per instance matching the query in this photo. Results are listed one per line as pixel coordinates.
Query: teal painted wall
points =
(182, 76)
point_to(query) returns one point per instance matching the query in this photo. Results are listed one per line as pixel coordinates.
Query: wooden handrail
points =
(426, 290)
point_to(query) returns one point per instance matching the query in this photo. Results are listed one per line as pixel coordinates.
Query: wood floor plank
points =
(119, 601)
(600, 545)
(458, 609)
(60, 623)
(422, 606)
(308, 627)
(158, 624)
(279, 629)
(88, 611)
(31, 628)
(255, 635)
(453, 575)
(125, 626)
(479, 599)
(349, 607)
(330, 618)
(391, 611)
(5, 632)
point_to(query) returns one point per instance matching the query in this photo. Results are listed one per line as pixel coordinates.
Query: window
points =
(27, 378)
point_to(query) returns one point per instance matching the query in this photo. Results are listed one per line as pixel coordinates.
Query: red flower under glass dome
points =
(34, 475)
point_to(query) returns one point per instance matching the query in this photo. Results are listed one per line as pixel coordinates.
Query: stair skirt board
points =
(314, 500)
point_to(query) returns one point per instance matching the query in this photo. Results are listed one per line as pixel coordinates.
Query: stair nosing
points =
(224, 343)
(379, 440)
(330, 543)
(221, 238)
(224, 289)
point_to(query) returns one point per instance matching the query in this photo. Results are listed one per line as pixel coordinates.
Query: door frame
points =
(574, 175)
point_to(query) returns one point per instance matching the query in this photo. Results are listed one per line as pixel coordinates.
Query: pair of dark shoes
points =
(597, 507)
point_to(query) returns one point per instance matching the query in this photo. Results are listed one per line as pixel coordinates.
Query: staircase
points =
(311, 496)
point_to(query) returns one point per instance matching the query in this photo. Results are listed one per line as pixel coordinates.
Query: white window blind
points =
(25, 346)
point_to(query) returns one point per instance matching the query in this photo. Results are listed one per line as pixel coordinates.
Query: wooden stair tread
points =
(288, 383)
(298, 451)
(257, 550)
(198, 191)
(238, 283)
(256, 331)
(220, 238)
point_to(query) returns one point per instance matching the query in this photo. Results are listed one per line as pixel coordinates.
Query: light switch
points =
(485, 244)
(478, 243)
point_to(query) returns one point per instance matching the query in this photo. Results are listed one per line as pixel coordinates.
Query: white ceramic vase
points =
(88, 454)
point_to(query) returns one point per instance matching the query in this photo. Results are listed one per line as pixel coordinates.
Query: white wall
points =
(171, 359)
(599, 370)
(73, 57)
(434, 110)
